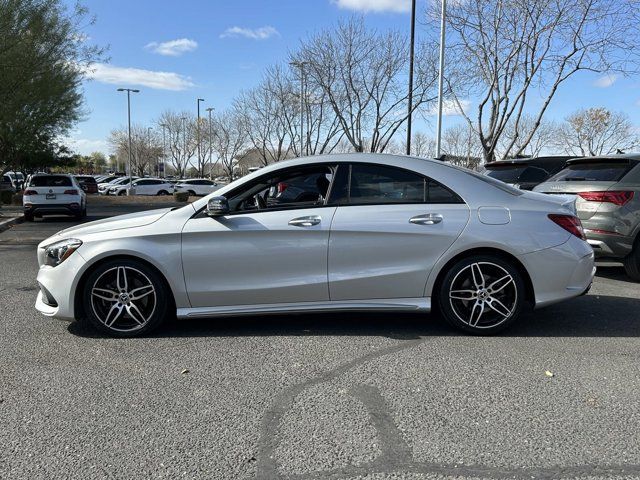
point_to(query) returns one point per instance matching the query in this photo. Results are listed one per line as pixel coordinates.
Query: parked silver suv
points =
(607, 193)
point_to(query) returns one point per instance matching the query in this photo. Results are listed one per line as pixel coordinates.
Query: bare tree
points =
(421, 146)
(181, 139)
(597, 131)
(538, 137)
(360, 73)
(461, 147)
(145, 148)
(502, 50)
(229, 139)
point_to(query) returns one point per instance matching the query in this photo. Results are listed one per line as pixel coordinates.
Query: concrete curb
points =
(8, 222)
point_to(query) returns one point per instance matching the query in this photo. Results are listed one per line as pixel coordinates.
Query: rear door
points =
(389, 229)
(51, 190)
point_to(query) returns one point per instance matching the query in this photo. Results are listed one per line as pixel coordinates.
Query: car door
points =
(389, 229)
(266, 250)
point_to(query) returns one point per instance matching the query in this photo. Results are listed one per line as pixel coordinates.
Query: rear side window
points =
(362, 184)
(592, 172)
(51, 181)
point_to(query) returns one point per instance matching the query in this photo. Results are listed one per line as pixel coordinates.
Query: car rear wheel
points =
(482, 295)
(632, 263)
(163, 192)
(125, 298)
(122, 193)
(192, 193)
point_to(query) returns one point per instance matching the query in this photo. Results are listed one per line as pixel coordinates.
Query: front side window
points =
(362, 184)
(291, 188)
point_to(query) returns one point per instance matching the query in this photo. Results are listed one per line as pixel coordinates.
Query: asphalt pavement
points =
(348, 396)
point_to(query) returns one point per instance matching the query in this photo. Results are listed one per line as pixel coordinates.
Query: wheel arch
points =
(530, 295)
(78, 304)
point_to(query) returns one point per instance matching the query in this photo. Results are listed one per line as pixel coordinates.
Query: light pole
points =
(149, 141)
(184, 141)
(210, 109)
(301, 65)
(164, 150)
(198, 136)
(411, 50)
(129, 91)
(441, 77)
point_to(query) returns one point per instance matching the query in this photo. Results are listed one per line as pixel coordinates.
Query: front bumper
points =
(561, 272)
(57, 287)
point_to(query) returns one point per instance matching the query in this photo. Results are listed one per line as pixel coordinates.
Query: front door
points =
(271, 248)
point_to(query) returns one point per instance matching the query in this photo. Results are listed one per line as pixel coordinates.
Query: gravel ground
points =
(351, 396)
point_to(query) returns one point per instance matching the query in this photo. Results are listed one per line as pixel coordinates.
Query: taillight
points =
(70, 192)
(616, 197)
(282, 187)
(30, 192)
(570, 223)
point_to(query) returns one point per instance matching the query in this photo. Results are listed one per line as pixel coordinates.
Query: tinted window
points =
(592, 172)
(506, 174)
(51, 181)
(86, 179)
(533, 175)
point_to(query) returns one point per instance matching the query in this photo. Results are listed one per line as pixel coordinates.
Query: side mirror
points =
(217, 207)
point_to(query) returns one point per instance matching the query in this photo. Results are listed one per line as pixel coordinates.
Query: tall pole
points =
(129, 90)
(410, 99)
(301, 65)
(441, 77)
(210, 109)
(198, 139)
(184, 142)
(164, 150)
(149, 139)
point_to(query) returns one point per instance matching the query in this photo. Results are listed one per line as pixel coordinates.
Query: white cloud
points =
(398, 6)
(86, 146)
(450, 108)
(124, 76)
(173, 48)
(606, 81)
(261, 33)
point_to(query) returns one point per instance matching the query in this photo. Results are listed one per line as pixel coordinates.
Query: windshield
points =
(592, 172)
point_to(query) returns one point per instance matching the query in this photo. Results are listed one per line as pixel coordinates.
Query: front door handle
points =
(309, 221)
(427, 219)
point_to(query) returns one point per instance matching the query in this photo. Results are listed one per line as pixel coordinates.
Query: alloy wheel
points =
(483, 295)
(123, 299)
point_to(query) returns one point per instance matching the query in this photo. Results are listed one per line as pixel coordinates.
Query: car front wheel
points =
(482, 295)
(125, 298)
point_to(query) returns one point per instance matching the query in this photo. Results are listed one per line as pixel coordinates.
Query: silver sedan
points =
(329, 233)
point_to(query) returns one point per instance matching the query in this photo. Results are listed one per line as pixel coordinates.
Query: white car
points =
(53, 195)
(197, 186)
(104, 187)
(370, 232)
(144, 186)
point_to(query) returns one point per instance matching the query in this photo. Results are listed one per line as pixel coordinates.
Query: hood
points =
(138, 219)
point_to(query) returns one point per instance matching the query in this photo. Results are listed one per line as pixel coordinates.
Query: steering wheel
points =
(260, 202)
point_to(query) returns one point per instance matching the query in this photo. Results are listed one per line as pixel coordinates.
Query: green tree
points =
(43, 57)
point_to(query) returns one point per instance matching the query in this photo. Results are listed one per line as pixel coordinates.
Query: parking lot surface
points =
(348, 396)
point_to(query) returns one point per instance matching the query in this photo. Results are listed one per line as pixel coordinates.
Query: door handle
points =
(309, 221)
(427, 219)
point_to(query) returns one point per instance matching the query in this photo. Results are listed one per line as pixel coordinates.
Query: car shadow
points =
(588, 316)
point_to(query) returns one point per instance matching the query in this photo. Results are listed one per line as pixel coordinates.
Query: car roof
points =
(627, 158)
(529, 161)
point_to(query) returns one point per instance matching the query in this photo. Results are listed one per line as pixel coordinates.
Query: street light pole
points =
(184, 141)
(210, 109)
(129, 91)
(301, 65)
(411, 50)
(441, 77)
(164, 150)
(198, 137)
(149, 140)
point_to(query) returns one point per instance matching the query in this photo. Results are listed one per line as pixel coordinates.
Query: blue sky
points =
(175, 52)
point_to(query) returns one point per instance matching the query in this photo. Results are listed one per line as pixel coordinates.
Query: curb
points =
(6, 223)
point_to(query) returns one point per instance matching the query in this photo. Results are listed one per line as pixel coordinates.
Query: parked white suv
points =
(53, 195)
(197, 186)
(144, 186)
(105, 187)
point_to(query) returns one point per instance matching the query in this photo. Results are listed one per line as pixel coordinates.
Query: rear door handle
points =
(427, 219)
(309, 221)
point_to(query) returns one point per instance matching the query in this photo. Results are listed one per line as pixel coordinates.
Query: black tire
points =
(473, 306)
(163, 192)
(28, 217)
(122, 193)
(192, 193)
(632, 263)
(152, 307)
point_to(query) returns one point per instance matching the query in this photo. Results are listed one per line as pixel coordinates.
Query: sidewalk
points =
(10, 215)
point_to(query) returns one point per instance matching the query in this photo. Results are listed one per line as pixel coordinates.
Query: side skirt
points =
(422, 304)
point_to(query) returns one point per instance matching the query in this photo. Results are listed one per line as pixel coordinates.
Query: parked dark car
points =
(607, 192)
(87, 183)
(525, 173)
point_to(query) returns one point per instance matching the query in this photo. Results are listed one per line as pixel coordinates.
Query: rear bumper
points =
(51, 209)
(609, 245)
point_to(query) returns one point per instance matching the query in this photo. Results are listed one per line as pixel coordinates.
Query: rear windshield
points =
(506, 174)
(592, 172)
(51, 181)
(86, 179)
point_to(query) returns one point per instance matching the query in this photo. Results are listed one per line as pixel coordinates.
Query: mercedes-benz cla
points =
(373, 233)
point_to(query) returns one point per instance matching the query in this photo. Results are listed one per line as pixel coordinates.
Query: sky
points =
(178, 51)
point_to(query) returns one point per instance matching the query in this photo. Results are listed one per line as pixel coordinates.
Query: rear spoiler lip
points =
(611, 160)
(503, 163)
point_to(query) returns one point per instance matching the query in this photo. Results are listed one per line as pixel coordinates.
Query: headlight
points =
(58, 252)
